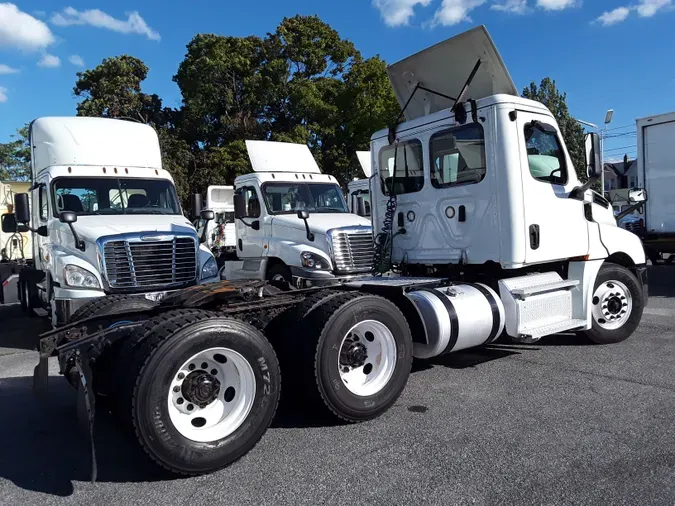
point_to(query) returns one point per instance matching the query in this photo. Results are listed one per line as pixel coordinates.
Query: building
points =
(621, 175)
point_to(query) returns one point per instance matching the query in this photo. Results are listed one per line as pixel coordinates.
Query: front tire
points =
(279, 273)
(192, 419)
(617, 305)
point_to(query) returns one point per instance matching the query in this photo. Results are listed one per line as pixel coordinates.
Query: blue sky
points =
(604, 53)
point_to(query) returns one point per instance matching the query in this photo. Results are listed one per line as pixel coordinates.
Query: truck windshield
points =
(288, 198)
(106, 195)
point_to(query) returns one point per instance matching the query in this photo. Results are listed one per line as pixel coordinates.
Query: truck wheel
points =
(617, 305)
(111, 305)
(279, 272)
(29, 299)
(358, 348)
(22, 296)
(206, 390)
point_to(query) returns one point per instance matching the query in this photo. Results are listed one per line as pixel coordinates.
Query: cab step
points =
(538, 305)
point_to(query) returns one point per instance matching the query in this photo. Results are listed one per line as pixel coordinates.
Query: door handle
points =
(534, 236)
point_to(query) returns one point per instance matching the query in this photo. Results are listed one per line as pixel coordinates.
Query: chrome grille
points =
(144, 264)
(352, 249)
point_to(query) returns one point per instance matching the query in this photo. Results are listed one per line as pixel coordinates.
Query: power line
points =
(622, 147)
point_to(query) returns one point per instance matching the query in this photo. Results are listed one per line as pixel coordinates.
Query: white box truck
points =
(104, 218)
(475, 204)
(656, 174)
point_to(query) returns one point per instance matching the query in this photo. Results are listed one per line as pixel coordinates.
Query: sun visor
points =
(269, 156)
(445, 68)
(364, 160)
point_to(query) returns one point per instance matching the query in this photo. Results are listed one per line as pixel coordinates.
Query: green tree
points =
(15, 157)
(573, 134)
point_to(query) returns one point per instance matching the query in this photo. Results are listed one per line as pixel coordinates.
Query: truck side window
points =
(252, 202)
(409, 176)
(545, 155)
(44, 209)
(458, 156)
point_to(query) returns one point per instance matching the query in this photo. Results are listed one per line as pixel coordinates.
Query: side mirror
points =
(239, 206)
(9, 225)
(593, 162)
(42, 231)
(196, 205)
(637, 195)
(255, 225)
(67, 217)
(22, 208)
(303, 214)
(207, 215)
(361, 207)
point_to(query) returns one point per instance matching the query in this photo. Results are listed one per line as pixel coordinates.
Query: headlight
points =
(314, 261)
(79, 277)
(210, 268)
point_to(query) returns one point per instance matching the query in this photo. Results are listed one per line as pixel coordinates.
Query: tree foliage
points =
(573, 134)
(15, 157)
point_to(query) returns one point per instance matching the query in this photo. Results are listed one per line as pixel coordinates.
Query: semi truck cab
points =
(105, 217)
(292, 221)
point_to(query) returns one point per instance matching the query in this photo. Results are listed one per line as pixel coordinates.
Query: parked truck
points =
(656, 175)
(292, 222)
(104, 218)
(482, 230)
(218, 234)
(358, 191)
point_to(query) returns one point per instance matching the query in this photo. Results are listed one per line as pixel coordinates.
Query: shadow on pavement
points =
(20, 331)
(43, 449)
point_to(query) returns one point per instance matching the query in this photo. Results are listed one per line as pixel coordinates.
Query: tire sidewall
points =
(151, 411)
(327, 357)
(613, 272)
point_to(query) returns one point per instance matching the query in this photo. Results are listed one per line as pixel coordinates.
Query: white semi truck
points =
(218, 234)
(358, 191)
(482, 230)
(656, 175)
(292, 222)
(104, 218)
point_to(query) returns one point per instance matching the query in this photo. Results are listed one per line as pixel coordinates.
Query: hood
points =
(91, 228)
(445, 68)
(320, 223)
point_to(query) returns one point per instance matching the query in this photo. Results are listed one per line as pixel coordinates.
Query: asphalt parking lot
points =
(558, 422)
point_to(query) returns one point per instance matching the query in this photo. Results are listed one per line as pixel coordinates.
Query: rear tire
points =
(248, 377)
(617, 305)
(357, 350)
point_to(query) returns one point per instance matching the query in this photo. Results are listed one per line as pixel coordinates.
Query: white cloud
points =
(398, 12)
(49, 61)
(452, 12)
(644, 9)
(647, 8)
(99, 19)
(555, 5)
(614, 16)
(6, 69)
(3, 94)
(22, 31)
(512, 6)
(76, 60)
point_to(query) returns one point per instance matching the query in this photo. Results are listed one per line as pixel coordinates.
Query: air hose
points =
(383, 240)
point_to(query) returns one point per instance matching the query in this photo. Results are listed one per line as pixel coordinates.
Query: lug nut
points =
(204, 365)
(179, 400)
(190, 407)
(181, 376)
(176, 389)
(191, 367)
(214, 372)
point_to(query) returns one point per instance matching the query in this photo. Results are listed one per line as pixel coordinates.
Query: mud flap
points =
(86, 406)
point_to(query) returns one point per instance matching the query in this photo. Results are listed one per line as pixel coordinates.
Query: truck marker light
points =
(126, 171)
(70, 170)
(115, 170)
(104, 171)
(450, 212)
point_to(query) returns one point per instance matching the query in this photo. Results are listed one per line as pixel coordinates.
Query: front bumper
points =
(307, 278)
(641, 273)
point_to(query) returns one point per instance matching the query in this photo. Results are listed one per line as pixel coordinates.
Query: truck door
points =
(555, 225)
(40, 210)
(250, 241)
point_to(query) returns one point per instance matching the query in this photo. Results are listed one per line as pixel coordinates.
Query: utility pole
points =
(608, 120)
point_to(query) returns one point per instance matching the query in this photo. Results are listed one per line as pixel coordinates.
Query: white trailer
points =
(656, 174)
(104, 218)
(482, 231)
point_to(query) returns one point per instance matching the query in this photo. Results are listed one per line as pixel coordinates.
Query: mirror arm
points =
(79, 243)
(632, 208)
(310, 235)
(578, 192)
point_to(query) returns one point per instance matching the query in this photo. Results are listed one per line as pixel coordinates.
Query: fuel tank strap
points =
(494, 307)
(452, 313)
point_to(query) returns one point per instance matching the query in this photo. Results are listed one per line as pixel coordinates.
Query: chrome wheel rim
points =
(612, 305)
